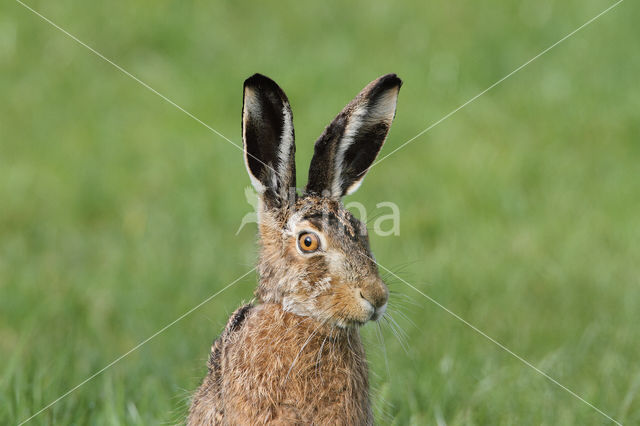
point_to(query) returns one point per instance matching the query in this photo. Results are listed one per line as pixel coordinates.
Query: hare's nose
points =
(375, 292)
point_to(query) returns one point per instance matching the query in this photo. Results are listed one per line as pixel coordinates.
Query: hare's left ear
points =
(268, 139)
(350, 144)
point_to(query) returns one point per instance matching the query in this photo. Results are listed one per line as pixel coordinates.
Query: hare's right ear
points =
(268, 139)
(350, 144)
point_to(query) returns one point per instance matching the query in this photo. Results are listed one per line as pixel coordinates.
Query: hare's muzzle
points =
(374, 293)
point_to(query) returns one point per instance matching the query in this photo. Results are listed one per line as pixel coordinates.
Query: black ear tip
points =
(264, 85)
(259, 81)
(390, 80)
(383, 85)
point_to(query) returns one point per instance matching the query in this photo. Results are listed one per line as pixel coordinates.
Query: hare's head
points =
(315, 258)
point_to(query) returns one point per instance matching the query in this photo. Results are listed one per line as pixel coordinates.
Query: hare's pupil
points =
(308, 241)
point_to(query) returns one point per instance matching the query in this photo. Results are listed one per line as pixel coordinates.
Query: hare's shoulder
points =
(207, 406)
(236, 320)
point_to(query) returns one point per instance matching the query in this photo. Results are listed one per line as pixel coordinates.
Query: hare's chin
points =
(360, 321)
(372, 315)
(348, 323)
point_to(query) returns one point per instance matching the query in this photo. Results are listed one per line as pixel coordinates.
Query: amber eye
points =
(308, 242)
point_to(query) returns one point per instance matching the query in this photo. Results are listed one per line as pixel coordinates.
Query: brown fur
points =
(296, 356)
(281, 368)
(249, 379)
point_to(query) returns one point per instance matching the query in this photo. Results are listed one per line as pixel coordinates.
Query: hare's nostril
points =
(362, 295)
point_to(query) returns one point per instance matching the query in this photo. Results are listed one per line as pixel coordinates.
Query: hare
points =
(295, 357)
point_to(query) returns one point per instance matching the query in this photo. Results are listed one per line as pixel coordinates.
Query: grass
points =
(520, 213)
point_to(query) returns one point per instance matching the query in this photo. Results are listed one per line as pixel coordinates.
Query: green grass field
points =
(520, 213)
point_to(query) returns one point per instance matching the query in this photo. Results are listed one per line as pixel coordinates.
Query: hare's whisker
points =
(400, 329)
(384, 348)
(322, 324)
(394, 310)
(301, 349)
(319, 357)
(396, 333)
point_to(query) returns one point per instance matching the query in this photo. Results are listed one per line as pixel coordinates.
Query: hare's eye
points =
(308, 242)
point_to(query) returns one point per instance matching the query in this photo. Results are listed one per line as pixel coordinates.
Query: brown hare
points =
(295, 356)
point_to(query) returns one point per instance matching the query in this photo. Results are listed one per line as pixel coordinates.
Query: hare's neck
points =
(298, 354)
(311, 336)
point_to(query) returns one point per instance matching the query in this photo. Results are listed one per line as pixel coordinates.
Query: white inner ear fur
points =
(251, 104)
(366, 114)
(354, 123)
(385, 108)
(355, 185)
(286, 140)
(252, 111)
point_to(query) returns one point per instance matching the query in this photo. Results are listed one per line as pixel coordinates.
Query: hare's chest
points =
(295, 373)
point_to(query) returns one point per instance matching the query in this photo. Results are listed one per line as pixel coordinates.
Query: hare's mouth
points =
(364, 311)
(349, 323)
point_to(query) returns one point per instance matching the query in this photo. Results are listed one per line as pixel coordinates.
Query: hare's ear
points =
(268, 139)
(349, 145)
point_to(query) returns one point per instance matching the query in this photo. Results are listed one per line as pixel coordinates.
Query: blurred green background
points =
(521, 212)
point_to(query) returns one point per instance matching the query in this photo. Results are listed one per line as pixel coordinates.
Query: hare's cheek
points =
(335, 261)
(320, 287)
(329, 304)
(339, 304)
